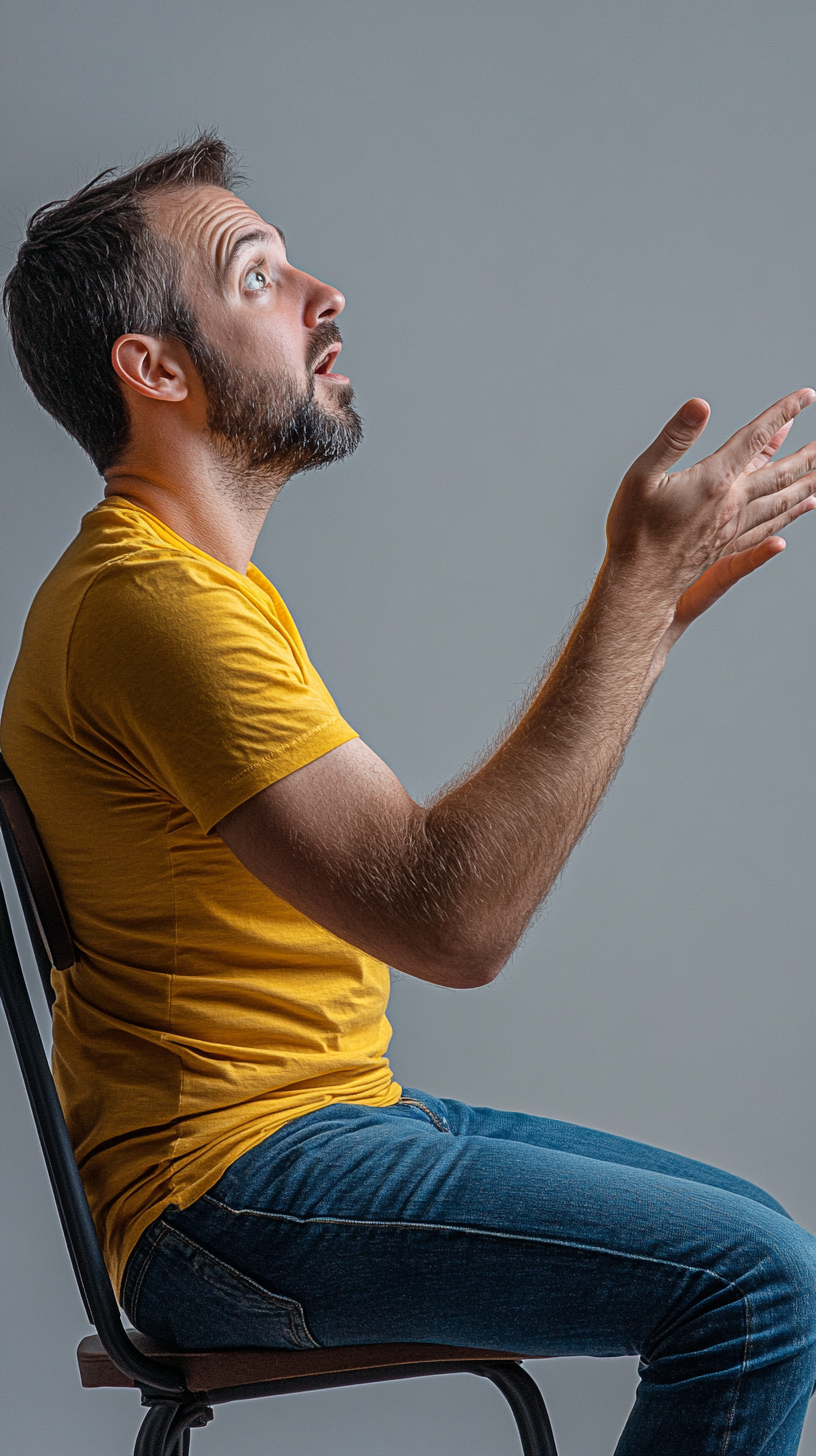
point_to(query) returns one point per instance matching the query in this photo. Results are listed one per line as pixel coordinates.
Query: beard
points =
(268, 427)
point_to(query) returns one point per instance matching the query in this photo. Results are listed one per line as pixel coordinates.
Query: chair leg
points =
(182, 1446)
(155, 1429)
(527, 1404)
(165, 1430)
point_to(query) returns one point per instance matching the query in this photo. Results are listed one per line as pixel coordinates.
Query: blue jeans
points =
(433, 1221)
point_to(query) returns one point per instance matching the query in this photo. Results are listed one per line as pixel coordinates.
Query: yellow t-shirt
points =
(156, 689)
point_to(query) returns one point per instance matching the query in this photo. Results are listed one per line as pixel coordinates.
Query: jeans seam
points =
(157, 1240)
(456, 1228)
(745, 1352)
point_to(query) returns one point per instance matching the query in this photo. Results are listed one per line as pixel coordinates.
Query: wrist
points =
(632, 591)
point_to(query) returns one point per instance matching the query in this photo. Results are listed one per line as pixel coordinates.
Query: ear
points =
(158, 368)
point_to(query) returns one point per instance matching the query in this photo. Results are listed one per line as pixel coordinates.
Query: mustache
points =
(323, 334)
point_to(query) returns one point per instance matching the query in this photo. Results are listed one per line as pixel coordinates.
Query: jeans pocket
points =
(184, 1296)
(420, 1102)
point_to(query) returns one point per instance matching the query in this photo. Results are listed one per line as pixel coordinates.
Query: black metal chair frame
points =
(173, 1407)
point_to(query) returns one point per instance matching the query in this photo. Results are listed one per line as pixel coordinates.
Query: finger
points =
(781, 486)
(761, 532)
(732, 458)
(746, 561)
(770, 449)
(720, 577)
(674, 439)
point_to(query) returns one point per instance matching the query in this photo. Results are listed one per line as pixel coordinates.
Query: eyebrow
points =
(257, 235)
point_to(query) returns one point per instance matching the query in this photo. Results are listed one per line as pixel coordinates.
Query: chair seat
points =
(217, 1369)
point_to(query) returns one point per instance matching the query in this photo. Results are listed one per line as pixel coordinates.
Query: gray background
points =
(553, 223)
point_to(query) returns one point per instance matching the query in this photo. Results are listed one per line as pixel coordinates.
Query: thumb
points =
(674, 439)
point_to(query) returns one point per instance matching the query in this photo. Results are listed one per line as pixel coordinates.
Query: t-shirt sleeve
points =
(194, 684)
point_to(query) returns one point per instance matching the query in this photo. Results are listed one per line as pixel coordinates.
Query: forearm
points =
(493, 845)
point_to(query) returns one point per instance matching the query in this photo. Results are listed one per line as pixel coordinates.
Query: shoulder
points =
(156, 619)
(144, 580)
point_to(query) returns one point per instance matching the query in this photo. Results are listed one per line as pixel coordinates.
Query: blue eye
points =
(255, 281)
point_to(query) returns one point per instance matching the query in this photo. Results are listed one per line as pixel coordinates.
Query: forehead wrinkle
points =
(207, 220)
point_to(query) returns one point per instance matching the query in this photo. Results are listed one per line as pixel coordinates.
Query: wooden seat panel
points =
(217, 1369)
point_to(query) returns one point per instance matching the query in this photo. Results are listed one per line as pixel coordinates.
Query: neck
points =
(219, 514)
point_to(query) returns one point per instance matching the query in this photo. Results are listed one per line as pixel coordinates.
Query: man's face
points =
(266, 338)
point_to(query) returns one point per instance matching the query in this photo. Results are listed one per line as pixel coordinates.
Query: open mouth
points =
(324, 364)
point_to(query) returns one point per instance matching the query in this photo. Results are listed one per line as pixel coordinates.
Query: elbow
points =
(469, 960)
(475, 968)
(478, 975)
(460, 968)
(469, 977)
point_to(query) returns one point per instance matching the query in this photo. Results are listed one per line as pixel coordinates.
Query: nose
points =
(320, 301)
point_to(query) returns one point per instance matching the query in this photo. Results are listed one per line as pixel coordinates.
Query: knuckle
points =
(764, 434)
(677, 436)
(787, 474)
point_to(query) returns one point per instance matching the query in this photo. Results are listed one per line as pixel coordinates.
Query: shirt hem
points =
(272, 768)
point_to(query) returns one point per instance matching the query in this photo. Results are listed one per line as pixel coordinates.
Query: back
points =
(157, 689)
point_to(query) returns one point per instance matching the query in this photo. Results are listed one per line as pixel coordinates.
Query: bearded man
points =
(239, 869)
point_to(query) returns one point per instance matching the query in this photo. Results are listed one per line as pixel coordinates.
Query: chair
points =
(179, 1388)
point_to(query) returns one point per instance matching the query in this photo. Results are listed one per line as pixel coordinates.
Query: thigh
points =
(369, 1225)
(586, 1142)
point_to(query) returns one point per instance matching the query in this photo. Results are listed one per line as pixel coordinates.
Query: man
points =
(239, 869)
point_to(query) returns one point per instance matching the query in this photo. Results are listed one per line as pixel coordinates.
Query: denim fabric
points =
(435, 1221)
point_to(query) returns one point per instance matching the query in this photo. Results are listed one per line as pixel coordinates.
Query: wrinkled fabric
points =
(432, 1221)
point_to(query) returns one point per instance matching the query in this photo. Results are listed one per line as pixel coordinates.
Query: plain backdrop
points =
(553, 222)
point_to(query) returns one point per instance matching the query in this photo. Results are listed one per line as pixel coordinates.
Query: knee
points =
(780, 1286)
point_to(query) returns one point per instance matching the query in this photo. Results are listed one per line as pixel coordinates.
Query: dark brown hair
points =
(89, 270)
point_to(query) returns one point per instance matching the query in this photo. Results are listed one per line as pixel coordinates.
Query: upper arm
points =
(334, 839)
(320, 811)
(304, 834)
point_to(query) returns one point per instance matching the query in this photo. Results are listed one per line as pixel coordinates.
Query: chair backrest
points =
(48, 927)
(53, 946)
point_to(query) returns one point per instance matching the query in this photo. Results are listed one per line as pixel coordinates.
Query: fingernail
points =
(807, 397)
